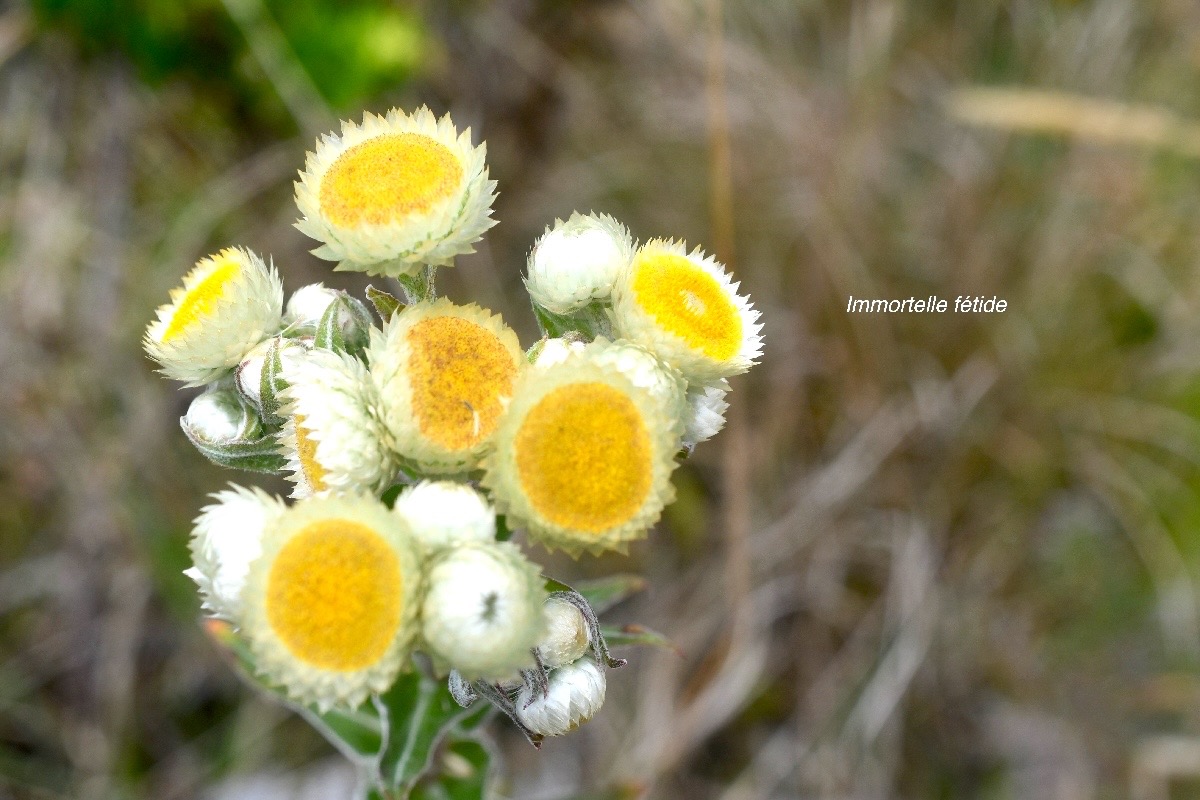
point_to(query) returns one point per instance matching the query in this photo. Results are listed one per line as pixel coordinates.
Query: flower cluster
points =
(415, 445)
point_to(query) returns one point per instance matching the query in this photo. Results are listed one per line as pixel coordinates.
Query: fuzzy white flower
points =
(444, 374)
(226, 539)
(685, 309)
(332, 438)
(583, 457)
(330, 607)
(576, 694)
(482, 613)
(443, 513)
(705, 415)
(228, 303)
(567, 635)
(575, 262)
(395, 192)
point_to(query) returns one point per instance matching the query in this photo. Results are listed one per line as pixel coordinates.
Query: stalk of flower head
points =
(417, 444)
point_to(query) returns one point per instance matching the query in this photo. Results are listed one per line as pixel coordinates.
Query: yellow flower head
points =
(444, 373)
(395, 192)
(685, 308)
(228, 303)
(583, 457)
(330, 607)
(331, 437)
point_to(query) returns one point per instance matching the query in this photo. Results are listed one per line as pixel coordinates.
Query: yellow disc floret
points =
(198, 302)
(444, 373)
(459, 371)
(330, 607)
(310, 470)
(388, 178)
(228, 303)
(335, 595)
(584, 457)
(684, 308)
(394, 193)
(688, 302)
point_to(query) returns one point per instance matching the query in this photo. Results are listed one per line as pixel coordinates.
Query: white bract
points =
(226, 539)
(576, 694)
(567, 635)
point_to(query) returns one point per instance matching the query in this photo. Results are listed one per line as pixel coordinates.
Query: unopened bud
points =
(576, 693)
(576, 262)
(566, 637)
(335, 319)
(228, 431)
(259, 378)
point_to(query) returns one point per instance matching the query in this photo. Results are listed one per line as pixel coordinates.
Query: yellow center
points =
(306, 454)
(387, 179)
(459, 372)
(201, 300)
(584, 457)
(334, 595)
(688, 302)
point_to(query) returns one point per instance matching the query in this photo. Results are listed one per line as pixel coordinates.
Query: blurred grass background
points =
(932, 555)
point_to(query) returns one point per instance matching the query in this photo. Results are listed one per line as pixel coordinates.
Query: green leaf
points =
(271, 383)
(329, 329)
(604, 593)
(465, 773)
(590, 321)
(385, 304)
(255, 455)
(419, 286)
(344, 325)
(634, 634)
(419, 713)
(503, 532)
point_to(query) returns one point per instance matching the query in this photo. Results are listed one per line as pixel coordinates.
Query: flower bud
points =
(305, 308)
(334, 318)
(576, 262)
(482, 613)
(445, 513)
(228, 431)
(576, 693)
(259, 378)
(566, 638)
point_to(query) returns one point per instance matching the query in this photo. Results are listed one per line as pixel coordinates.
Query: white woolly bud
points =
(307, 305)
(482, 613)
(567, 635)
(219, 416)
(576, 694)
(226, 539)
(249, 375)
(576, 262)
(444, 513)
